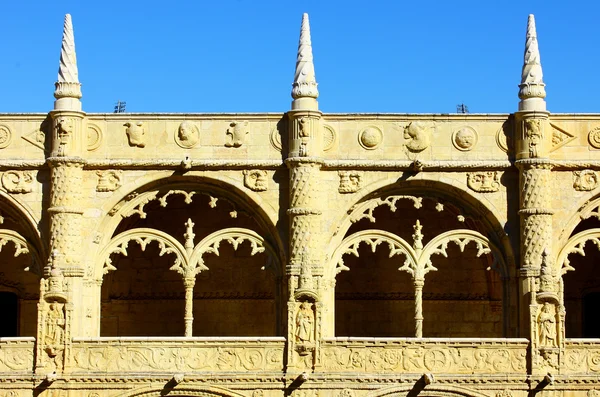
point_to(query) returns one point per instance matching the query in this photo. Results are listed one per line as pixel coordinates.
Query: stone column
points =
(305, 267)
(63, 286)
(533, 142)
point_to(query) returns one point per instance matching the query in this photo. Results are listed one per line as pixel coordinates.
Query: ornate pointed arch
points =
(576, 245)
(21, 247)
(182, 390)
(142, 236)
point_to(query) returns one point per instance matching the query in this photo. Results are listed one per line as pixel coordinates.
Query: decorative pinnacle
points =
(532, 84)
(418, 236)
(305, 82)
(189, 235)
(68, 89)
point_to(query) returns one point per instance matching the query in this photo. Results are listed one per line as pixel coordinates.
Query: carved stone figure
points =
(305, 323)
(236, 134)
(547, 326)
(417, 137)
(349, 181)
(533, 132)
(18, 181)
(484, 181)
(187, 135)
(256, 180)
(136, 134)
(109, 181)
(464, 139)
(585, 180)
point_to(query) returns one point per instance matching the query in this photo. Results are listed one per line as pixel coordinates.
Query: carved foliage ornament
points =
(136, 134)
(585, 180)
(256, 180)
(484, 181)
(18, 181)
(349, 181)
(109, 181)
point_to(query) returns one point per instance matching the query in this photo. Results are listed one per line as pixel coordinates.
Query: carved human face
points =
(464, 139)
(185, 131)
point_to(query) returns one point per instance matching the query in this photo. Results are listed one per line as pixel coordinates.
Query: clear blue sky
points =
(239, 55)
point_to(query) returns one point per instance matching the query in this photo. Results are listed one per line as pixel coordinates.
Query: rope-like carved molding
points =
(22, 164)
(365, 210)
(93, 164)
(234, 236)
(143, 237)
(22, 247)
(408, 165)
(373, 238)
(137, 204)
(576, 245)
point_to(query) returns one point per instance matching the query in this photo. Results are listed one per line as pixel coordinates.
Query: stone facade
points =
(303, 254)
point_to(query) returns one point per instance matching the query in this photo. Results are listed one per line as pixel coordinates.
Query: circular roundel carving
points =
(94, 137)
(187, 135)
(465, 139)
(370, 138)
(275, 138)
(594, 137)
(501, 139)
(329, 137)
(5, 136)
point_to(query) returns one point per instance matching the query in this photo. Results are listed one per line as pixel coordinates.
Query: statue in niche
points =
(533, 132)
(547, 325)
(305, 324)
(55, 324)
(187, 135)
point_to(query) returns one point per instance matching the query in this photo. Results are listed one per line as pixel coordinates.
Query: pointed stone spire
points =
(304, 88)
(68, 89)
(532, 88)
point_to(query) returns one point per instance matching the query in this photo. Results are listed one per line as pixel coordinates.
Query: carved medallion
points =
(109, 181)
(256, 180)
(417, 137)
(594, 137)
(136, 134)
(275, 138)
(5, 136)
(501, 136)
(484, 181)
(465, 139)
(329, 138)
(370, 138)
(349, 181)
(585, 180)
(187, 135)
(18, 181)
(236, 133)
(94, 137)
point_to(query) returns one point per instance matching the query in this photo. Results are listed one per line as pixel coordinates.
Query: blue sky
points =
(239, 55)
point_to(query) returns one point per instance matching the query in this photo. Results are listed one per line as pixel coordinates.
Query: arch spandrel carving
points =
(576, 245)
(21, 247)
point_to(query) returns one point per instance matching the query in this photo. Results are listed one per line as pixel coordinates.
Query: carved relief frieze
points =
(16, 356)
(417, 137)
(585, 180)
(5, 136)
(484, 181)
(370, 138)
(37, 138)
(465, 139)
(18, 181)
(560, 137)
(533, 133)
(365, 210)
(256, 180)
(594, 138)
(350, 181)
(236, 134)
(109, 180)
(136, 134)
(187, 135)
(94, 137)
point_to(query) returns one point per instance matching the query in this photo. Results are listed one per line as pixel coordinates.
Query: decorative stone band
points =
(306, 160)
(67, 90)
(529, 271)
(56, 161)
(65, 210)
(536, 211)
(403, 165)
(536, 163)
(176, 164)
(303, 211)
(532, 90)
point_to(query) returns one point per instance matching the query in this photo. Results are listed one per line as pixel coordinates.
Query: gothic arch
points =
(575, 245)
(431, 390)
(583, 209)
(225, 187)
(460, 194)
(187, 391)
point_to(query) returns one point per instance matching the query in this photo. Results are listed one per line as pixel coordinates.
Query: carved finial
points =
(68, 89)
(418, 236)
(304, 88)
(189, 235)
(531, 89)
